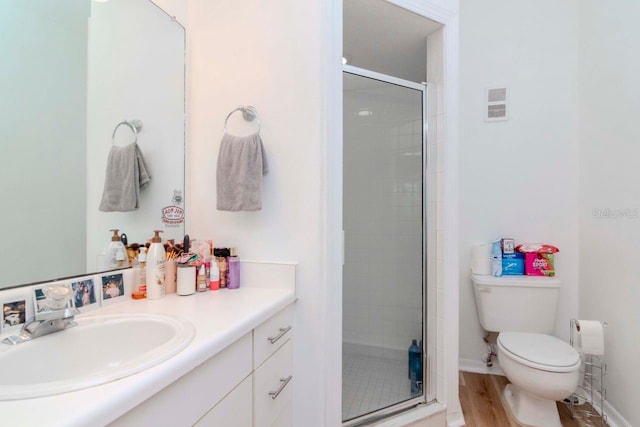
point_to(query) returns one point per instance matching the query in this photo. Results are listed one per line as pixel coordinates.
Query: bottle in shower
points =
(414, 353)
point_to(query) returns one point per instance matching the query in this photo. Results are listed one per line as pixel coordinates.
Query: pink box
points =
(538, 264)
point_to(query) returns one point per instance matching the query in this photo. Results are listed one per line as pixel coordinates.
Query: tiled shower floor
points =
(370, 383)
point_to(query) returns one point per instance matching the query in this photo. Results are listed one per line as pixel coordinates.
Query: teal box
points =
(513, 264)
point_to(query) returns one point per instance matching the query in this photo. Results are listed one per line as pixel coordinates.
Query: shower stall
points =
(385, 368)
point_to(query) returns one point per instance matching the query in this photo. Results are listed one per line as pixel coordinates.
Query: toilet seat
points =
(539, 351)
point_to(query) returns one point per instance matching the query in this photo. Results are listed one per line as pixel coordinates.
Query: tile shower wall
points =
(382, 221)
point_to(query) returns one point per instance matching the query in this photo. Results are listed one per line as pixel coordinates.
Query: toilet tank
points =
(516, 303)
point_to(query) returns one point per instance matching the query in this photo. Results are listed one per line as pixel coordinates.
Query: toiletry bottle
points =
(116, 252)
(207, 264)
(201, 279)
(234, 269)
(207, 271)
(140, 289)
(221, 256)
(416, 376)
(414, 353)
(155, 267)
(214, 275)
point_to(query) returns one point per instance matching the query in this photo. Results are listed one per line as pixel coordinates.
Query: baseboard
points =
(614, 419)
(480, 367)
(455, 420)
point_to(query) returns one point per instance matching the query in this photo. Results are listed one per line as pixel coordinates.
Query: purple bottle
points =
(234, 269)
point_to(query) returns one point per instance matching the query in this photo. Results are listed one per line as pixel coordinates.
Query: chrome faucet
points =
(56, 314)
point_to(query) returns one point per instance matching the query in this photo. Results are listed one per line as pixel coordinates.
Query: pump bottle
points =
(155, 267)
(116, 252)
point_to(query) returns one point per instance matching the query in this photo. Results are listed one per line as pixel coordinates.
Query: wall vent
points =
(496, 104)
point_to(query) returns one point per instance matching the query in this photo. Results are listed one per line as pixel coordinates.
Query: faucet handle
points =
(58, 297)
(58, 303)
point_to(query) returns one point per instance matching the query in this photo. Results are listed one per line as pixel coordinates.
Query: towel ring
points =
(134, 125)
(249, 113)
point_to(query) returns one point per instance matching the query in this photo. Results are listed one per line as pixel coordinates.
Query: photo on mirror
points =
(14, 313)
(84, 293)
(112, 288)
(63, 291)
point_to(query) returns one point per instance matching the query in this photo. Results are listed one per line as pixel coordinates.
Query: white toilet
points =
(540, 367)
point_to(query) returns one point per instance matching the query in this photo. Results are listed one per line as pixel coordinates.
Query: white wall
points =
(42, 154)
(519, 178)
(610, 180)
(266, 54)
(136, 71)
(275, 57)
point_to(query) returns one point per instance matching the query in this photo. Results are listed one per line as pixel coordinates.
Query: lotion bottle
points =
(116, 252)
(155, 267)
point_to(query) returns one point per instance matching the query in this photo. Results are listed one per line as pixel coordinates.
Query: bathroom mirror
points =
(71, 71)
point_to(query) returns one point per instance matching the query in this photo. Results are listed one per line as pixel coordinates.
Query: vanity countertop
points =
(220, 318)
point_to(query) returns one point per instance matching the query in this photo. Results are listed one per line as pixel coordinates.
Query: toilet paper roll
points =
(481, 259)
(590, 335)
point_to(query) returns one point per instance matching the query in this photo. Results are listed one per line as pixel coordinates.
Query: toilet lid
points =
(541, 351)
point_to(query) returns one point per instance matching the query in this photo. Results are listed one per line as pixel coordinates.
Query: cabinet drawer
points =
(232, 411)
(271, 335)
(273, 389)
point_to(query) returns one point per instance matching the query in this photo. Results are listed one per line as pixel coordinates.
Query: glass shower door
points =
(383, 218)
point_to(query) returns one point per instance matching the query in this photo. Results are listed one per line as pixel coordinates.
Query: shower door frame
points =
(428, 386)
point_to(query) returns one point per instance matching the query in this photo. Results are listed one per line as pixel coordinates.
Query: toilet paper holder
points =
(592, 390)
(576, 323)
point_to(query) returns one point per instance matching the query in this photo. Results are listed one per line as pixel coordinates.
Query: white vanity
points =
(237, 370)
(247, 384)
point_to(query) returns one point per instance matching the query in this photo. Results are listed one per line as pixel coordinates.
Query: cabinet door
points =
(183, 402)
(232, 411)
(271, 335)
(272, 389)
(286, 417)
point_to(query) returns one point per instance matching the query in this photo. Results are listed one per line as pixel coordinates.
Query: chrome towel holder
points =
(134, 125)
(249, 113)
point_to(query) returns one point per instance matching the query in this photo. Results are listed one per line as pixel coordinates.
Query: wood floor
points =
(483, 405)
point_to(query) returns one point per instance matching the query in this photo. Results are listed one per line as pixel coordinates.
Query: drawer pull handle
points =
(283, 384)
(283, 331)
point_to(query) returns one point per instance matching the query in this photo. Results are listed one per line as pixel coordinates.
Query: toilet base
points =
(530, 410)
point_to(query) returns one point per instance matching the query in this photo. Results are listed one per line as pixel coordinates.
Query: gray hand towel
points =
(241, 164)
(126, 175)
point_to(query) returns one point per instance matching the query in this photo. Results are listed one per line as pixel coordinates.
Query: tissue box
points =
(538, 264)
(513, 264)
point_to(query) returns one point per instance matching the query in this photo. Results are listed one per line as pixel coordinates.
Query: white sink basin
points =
(100, 349)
